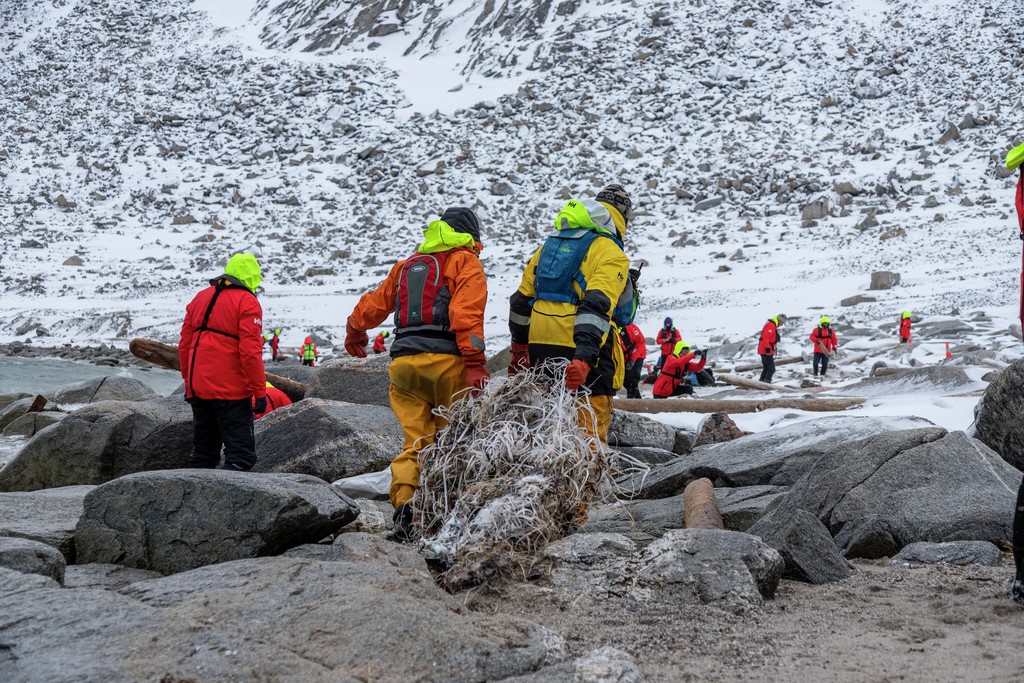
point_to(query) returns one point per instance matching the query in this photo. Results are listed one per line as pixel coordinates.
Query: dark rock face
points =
(101, 442)
(327, 439)
(101, 389)
(355, 380)
(777, 457)
(47, 516)
(105, 576)
(999, 415)
(178, 520)
(30, 423)
(805, 544)
(31, 557)
(635, 430)
(881, 493)
(716, 428)
(955, 552)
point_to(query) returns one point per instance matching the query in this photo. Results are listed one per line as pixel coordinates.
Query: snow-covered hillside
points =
(778, 153)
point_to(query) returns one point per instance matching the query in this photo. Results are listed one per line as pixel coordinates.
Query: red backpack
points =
(421, 302)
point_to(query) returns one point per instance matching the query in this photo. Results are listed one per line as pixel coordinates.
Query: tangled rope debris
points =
(510, 473)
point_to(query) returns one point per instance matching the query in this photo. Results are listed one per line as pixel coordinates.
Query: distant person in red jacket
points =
(668, 337)
(275, 344)
(634, 348)
(825, 343)
(673, 380)
(905, 328)
(767, 344)
(378, 342)
(221, 357)
(275, 399)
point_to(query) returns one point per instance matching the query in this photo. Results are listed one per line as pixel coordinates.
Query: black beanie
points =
(616, 196)
(462, 219)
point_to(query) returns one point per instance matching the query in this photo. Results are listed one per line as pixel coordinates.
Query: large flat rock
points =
(103, 441)
(776, 457)
(176, 520)
(327, 439)
(48, 516)
(354, 380)
(934, 379)
(999, 415)
(101, 389)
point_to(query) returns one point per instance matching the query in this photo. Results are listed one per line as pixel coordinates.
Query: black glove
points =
(260, 406)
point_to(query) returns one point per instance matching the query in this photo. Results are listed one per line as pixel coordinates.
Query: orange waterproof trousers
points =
(420, 383)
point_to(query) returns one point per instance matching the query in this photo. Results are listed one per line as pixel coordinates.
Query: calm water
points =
(37, 375)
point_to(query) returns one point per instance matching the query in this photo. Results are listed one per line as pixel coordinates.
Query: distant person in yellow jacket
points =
(564, 305)
(437, 296)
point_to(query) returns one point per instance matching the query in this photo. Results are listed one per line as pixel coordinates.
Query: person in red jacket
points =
(221, 357)
(671, 380)
(767, 344)
(275, 345)
(905, 328)
(668, 337)
(378, 342)
(825, 343)
(634, 349)
(275, 399)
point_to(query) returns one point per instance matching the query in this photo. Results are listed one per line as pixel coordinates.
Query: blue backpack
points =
(558, 267)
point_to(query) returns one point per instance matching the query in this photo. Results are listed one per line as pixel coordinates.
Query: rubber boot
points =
(1017, 591)
(405, 530)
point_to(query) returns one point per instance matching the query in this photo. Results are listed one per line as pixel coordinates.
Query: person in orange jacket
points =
(220, 353)
(308, 352)
(905, 328)
(825, 343)
(670, 381)
(668, 337)
(275, 399)
(634, 348)
(378, 342)
(437, 296)
(767, 344)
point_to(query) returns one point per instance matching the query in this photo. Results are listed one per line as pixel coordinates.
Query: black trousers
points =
(1018, 532)
(823, 359)
(307, 362)
(632, 381)
(767, 367)
(217, 423)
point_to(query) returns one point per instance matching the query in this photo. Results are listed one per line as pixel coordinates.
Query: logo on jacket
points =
(258, 322)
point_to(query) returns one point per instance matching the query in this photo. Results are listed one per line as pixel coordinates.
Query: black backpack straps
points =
(205, 327)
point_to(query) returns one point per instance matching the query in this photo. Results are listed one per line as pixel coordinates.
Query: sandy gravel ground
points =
(886, 623)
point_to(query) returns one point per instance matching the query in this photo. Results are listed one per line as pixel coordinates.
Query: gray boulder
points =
(646, 454)
(302, 606)
(742, 506)
(105, 576)
(101, 389)
(716, 428)
(701, 566)
(327, 439)
(999, 415)
(632, 429)
(296, 372)
(30, 423)
(48, 516)
(943, 330)
(605, 665)
(776, 457)
(9, 398)
(103, 441)
(884, 279)
(374, 549)
(955, 552)
(879, 494)
(355, 380)
(177, 520)
(805, 544)
(933, 378)
(15, 409)
(31, 557)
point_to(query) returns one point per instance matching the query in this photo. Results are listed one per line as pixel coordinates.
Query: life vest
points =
(308, 351)
(422, 298)
(559, 266)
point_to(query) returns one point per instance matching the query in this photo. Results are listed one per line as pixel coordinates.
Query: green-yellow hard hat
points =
(1015, 157)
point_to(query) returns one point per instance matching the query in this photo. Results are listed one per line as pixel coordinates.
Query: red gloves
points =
(476, 373)
(355, 341)
(520, 358)
(576, 374)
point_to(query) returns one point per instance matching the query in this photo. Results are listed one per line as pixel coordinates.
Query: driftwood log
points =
(700, 509)
(166, 356)
(778, 361)
(744, 383)
(712, 405)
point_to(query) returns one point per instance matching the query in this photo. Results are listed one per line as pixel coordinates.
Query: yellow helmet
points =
(1015, 157)
(680, 345)
(906, 314)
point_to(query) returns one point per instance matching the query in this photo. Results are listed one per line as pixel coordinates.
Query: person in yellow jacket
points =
(569, 290)
(437, 296)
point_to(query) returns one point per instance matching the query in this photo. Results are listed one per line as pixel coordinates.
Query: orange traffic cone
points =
(948, 354)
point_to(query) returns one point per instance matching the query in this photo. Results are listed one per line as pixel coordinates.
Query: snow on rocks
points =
(181, 519)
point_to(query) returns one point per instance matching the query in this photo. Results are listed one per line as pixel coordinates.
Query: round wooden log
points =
(712, 405)
(778, 361)
(700, 509)
(744, 383)
(166, 356)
